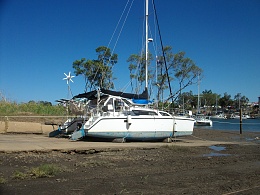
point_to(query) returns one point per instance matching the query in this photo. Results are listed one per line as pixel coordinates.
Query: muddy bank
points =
(167, 169)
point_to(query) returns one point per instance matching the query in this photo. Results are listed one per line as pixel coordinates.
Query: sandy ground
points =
(227, 163)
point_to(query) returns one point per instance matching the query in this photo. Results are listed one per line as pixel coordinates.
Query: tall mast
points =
(198, 108)
(146, 46)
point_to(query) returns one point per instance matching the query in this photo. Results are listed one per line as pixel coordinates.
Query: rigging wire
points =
(164, 58)
(122, 26)
(119, 21)
(117, 24)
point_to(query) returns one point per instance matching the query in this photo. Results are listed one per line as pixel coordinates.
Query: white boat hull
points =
(146, 128)
(183, 126)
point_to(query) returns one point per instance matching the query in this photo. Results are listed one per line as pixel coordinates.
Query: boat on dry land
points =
(126, 116)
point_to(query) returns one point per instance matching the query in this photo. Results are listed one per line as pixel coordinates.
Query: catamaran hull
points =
(138, 128)
(183, 126)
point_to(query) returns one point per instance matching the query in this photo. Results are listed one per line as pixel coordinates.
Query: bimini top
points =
(92, 94)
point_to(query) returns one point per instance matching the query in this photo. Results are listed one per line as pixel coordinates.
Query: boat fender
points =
(129, 119)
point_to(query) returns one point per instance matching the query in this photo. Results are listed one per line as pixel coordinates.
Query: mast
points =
(198, 107)
(146, 45)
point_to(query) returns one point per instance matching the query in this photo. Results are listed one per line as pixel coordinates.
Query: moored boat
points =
(202, 120)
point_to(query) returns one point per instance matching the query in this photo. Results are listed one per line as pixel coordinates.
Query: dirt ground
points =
(169, 169)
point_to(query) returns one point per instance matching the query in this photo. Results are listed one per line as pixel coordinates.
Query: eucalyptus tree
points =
(180, 69)
(137, 71)
(208, 98)
(162, 71)
(97, 72)
(240, 101)
(170, 67)
(187, 100)
(225, 101)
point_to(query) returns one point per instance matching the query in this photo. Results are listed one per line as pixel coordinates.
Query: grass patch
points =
(19, 175)
(45, 170)
(2, 180)
(31, 108)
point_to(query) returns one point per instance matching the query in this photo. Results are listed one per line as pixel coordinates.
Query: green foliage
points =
(2, 180)
(44, 170)
(170, 68)
(31, 108)
(225, 100)
(97, 73)
(208, 98)
(137, 62)
(19, 175)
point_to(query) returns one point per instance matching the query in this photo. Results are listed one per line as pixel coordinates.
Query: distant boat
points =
(126, 116)
(219, 116)
(202, 120)
(237, 116)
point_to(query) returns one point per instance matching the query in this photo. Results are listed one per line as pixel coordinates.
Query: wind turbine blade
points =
(71, 80)
(65, 74)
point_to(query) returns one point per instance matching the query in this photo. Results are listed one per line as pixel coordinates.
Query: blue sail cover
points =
(142, 101)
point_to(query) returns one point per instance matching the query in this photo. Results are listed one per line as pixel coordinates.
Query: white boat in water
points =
(237, 116)
(118, 115)
(219, 116)
(202, 120)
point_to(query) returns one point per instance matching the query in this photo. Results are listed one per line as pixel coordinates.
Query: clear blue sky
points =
(39, 40)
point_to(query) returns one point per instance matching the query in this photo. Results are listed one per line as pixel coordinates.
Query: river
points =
(252, 125)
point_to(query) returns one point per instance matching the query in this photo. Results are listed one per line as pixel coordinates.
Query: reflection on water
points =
(215, 154)
(218, 149)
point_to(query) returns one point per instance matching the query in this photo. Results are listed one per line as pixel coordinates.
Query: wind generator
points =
(68, 78)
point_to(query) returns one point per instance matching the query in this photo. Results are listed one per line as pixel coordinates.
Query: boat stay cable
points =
(164, 58)
(119, 21)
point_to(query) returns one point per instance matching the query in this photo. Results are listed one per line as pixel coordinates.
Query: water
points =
(218, 149)
(250, 125)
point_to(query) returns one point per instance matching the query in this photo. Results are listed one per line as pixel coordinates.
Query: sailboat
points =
(201, 119)
(126, 116)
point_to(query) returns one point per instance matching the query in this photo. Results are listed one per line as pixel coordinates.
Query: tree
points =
(225, 101)
(137, 70)
(187, 100)
(97, 73)
(170, 67)
(162, 71)
(179, 68)
(240, 100)
(208, 98)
